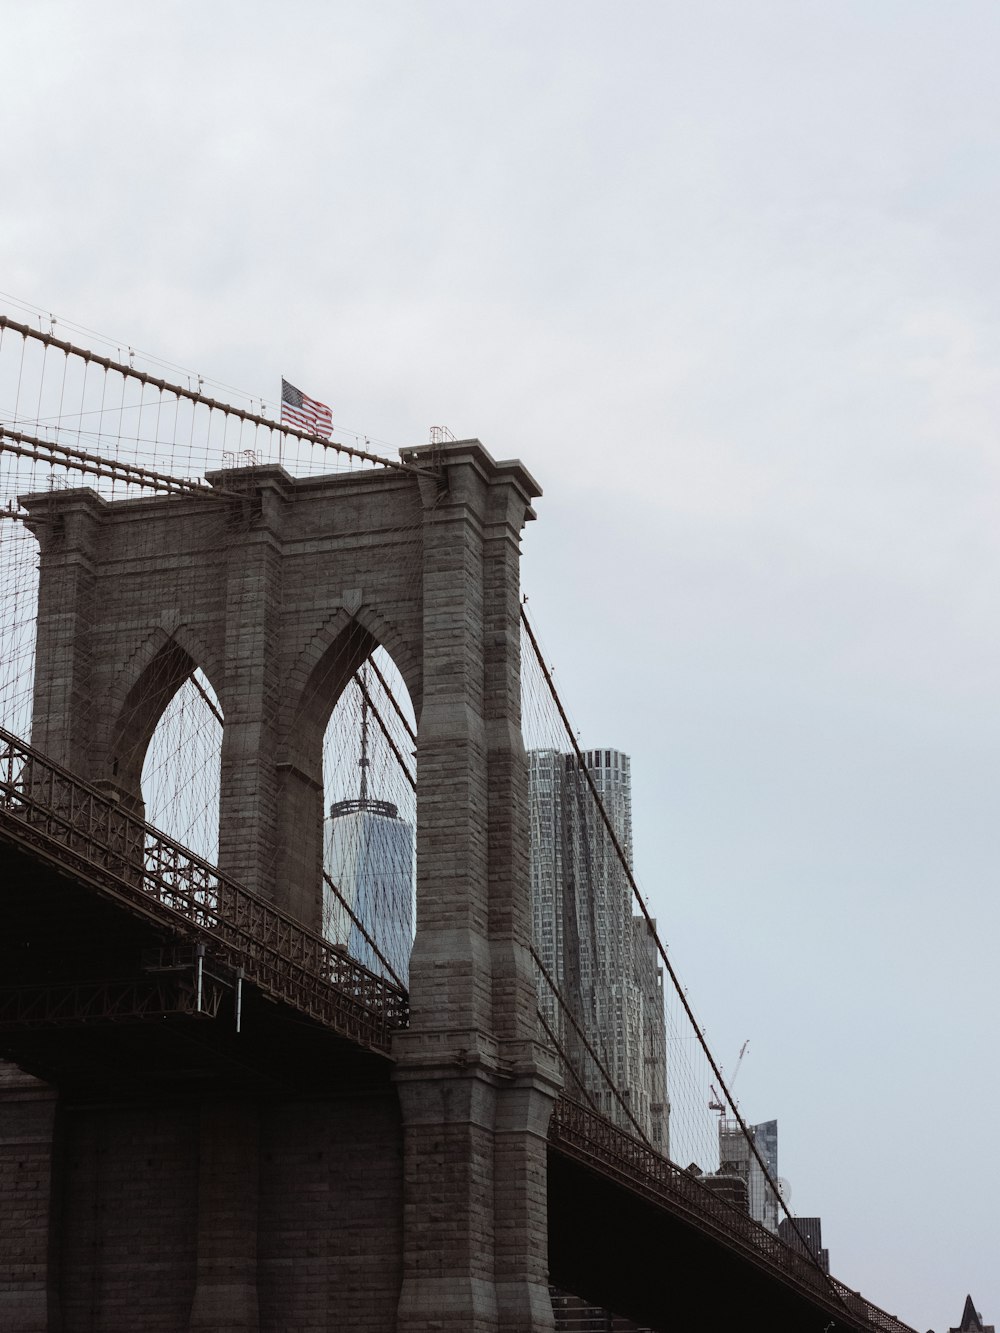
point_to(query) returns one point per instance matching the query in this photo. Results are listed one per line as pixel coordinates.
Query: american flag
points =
(304, 413)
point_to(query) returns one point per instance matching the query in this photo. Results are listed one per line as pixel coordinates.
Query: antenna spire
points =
(363, 761)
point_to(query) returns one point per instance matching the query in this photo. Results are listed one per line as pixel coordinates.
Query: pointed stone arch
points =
(150, 677)
(346, 639)
(405, 654)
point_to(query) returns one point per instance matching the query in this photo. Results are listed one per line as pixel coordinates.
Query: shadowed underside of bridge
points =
(669, 1265)
(660, 1271)
(129, 991)
(125, 957)
(104, 1002)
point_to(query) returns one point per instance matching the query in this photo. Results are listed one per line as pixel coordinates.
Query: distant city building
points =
(726, 1185)
(649, 975)
(972, 1320)
(736, 1158)
(573, 1315)
(738, 1163)
(602, 957)
(368, 855)
(766, 1138)
(805, 1234)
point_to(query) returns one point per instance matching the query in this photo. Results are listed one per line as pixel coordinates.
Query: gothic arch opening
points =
(181, 767)
(369, 819)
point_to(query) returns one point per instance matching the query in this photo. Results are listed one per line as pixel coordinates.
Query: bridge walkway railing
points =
(46, 808)
(595, 1141)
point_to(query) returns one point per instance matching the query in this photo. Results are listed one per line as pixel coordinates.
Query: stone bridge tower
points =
(278, 593)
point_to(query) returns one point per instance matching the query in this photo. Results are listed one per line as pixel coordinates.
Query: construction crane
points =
(716, 1103)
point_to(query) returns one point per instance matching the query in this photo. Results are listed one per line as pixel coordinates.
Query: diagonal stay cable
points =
(368, 939)
(212, 706)
(361, 685)
(590, 1050)
(560, 999)
(564, 1055)
(382, 726)
(392, 699)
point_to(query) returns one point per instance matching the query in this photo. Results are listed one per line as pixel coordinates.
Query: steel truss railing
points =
(592, 1139)
(48, 809)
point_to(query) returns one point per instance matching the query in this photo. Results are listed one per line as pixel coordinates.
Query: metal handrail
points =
(45, 806)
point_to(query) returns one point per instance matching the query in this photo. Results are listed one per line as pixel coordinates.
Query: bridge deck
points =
(673, 1244)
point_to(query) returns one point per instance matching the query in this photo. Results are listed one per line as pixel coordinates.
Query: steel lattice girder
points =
(106, 1002)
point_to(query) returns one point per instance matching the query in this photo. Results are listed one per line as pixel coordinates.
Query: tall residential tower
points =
(600, 956)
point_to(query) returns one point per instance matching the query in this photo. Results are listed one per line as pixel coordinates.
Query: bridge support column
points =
(248, 804)
(520, 1203)
(448, 1278)
(475, 1089)
(474, 1202)
(225, 1297)
(67, 526)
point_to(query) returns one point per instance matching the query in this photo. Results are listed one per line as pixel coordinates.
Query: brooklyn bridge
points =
(216, 1112)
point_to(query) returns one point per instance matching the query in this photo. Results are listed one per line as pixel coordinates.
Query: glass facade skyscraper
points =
(368, 854)
(368, 864)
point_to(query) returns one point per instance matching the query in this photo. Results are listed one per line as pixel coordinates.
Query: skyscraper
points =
(805, 1234)
(737, 1158)
(600, 956)
(368, 856)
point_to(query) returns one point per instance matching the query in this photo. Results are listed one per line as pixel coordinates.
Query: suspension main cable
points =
(392, 699)
(214, 404)
(78, 460)
(651, 924)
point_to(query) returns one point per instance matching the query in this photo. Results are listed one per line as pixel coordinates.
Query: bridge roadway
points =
(131, 968)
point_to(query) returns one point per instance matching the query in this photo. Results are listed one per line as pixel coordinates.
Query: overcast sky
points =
(726, 277)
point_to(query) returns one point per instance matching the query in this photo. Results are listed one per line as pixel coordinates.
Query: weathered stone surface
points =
(29, 1300)
(221, 1216)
